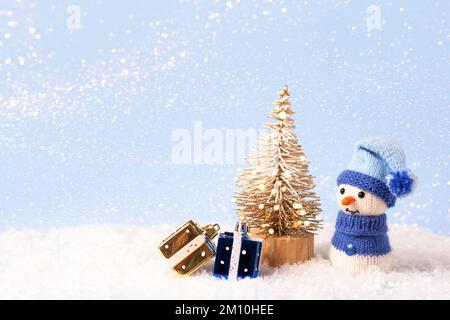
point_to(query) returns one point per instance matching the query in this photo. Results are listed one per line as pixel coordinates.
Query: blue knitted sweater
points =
(361, 235)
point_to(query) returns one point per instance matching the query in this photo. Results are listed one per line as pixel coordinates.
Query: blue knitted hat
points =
(379, 167)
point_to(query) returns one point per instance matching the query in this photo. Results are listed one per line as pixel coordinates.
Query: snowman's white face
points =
(353, 200)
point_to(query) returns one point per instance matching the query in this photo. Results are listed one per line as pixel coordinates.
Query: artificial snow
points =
(122, 262)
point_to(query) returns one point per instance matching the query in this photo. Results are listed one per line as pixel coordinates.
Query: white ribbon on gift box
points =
(187, 250)
(235, 255)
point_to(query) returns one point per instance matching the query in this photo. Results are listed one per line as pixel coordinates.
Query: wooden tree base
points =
(287, 250)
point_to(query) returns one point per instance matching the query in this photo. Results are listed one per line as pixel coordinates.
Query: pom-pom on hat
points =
(379, 167)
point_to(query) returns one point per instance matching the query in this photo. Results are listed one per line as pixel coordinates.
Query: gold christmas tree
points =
(276, 194)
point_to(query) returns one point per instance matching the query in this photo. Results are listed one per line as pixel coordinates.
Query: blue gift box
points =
(238, 256)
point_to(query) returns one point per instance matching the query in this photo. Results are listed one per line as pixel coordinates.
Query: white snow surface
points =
(122, 262)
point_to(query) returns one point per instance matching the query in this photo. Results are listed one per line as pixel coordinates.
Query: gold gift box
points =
(188, 248)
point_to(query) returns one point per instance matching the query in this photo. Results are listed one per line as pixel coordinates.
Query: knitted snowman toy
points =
(375, 177)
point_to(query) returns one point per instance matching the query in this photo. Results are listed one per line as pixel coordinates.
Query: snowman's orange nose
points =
(348, 200)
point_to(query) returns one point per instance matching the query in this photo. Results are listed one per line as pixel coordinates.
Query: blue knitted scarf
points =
(361, 235)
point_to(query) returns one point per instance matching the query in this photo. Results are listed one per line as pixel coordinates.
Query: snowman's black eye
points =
(342, 191)
(361, 194)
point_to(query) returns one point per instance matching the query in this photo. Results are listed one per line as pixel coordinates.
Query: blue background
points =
(86, 115)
